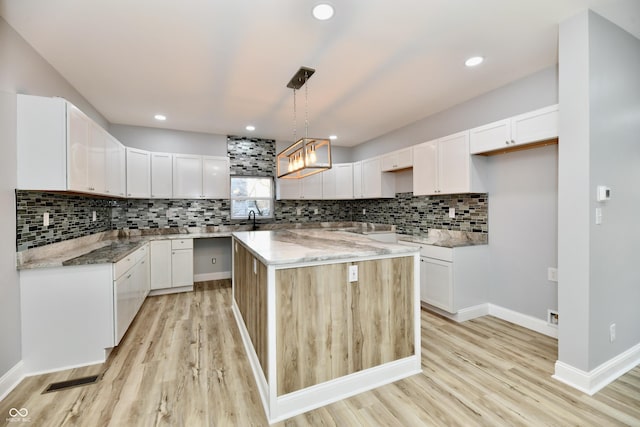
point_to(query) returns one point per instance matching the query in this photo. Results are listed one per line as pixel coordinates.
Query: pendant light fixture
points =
(307, 156)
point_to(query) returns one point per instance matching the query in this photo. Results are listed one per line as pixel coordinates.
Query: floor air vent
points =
(77, 382)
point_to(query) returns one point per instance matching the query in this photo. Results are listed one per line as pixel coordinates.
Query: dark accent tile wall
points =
(251, 156)
(70, 216)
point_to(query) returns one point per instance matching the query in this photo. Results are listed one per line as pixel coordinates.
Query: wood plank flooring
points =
(182, 364)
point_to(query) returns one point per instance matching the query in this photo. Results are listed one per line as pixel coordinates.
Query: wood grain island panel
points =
(312, 336)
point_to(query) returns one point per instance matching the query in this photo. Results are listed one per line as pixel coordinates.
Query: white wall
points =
(523, 214)
(170, 141)
(206, 249)
(22, 70)
(600, 144)
(537, 90)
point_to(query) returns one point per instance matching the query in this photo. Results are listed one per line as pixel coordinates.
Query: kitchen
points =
(520, 288)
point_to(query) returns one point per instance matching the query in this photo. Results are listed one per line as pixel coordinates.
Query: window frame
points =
(243, 198)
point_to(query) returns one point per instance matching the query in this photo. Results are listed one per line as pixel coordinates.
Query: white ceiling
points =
(216, 66)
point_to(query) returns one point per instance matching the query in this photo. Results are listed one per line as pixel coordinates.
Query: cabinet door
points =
(453, 164)
(289, 189)
(215, 177)
(78, 150)
(187, 176)
(397, 160)
(116, 167)
(357, 180)
(344, 180)
(138, 173)
(143, 278)
(97, 159)
(436, 283)
(539, 125)
(181, 267)
(329, 183)
(492, 136)
(161, 175)
(125, 299)
(160, 251)
(371, 178)
(425, 168)
(312, 187)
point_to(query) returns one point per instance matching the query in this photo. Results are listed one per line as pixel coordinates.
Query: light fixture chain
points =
(295, 119)
(306, 106)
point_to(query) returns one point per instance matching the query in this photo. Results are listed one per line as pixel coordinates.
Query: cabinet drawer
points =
(182, 244)
(141, 253)
(122, 266)
(437, 252)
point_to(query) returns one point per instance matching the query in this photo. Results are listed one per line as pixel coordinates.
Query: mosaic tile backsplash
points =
(251, 156)
(70, 216)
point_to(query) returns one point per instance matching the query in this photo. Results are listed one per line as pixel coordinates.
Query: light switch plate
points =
(45, 219)
(452, 212)
(353, 273)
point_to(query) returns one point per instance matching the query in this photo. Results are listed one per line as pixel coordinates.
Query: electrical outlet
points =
(45, 219)
(353, 273)
(552, 274)
(298, 211)
(552, 317)
(94, 217)
(315, 211)
(612, 332)
(364, 211)
(213, 260)
(452, 212)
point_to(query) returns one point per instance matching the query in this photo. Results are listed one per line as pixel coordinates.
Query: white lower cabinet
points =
(72, 315)
(171, 264)
(453, 279)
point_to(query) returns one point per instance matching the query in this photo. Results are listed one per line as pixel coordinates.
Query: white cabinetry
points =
(397, 160)
(60, 149)
(444, 166)
(329, 183)
(309, 188)
(138, 173)
(200, 177)
(527, 128)
(130, 288)
(171, 265)
(116, 167)
(343, 180)
(215, 177)
(288, 189)
(161, 175)
(453, 279)
(369, 182)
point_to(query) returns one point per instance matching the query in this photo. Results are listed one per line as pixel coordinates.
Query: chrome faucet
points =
(254, 219)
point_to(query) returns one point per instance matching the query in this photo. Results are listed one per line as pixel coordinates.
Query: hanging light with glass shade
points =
(307, 156)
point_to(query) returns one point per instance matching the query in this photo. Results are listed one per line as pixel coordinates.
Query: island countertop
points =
(299, 246)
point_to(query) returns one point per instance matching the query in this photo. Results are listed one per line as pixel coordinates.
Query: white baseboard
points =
(523, 320)
(212, 276)
(598, 378)
(11, 379)
(462, 315)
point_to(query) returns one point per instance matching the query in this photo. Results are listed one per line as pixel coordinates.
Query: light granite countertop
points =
(447, 238)
(112, 246)
(297, 246)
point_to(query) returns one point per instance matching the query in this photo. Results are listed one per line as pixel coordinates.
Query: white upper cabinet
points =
(138, 173)
(116, 167)
(311, 187)
(528, 128)
(200, 177)
(288, 189)
(357, 180)
(375, 183)
(60, 148)
(187, 176)
(443, 166)
(343, 180)
(397, 160)
(161, 175)
(329, 183)
(215, 177)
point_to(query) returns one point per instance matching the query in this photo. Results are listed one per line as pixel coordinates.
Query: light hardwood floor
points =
(182, 364)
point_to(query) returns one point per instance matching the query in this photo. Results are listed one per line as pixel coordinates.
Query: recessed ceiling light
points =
(333, 137)
(322, 11)
(473, 61)
(250, 128)
(160, 117)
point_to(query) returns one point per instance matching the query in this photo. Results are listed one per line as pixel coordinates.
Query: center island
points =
(324, 315)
